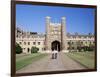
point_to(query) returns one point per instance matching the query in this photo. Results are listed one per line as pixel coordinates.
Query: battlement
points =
(55, 24)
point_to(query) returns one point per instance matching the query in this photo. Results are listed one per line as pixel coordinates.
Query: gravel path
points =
(63, 62)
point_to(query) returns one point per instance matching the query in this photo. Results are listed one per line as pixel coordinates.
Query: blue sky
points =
(32, 18)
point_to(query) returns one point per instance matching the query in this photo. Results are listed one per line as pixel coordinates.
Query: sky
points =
(32, 18)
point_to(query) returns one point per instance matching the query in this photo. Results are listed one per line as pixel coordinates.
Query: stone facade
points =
(55, 38)
(55, 32)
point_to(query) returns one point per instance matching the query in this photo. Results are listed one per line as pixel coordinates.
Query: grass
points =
(24, 60)
(85, 58)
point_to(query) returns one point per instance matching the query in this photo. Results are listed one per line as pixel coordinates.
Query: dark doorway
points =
(28, 49)
(55, 45)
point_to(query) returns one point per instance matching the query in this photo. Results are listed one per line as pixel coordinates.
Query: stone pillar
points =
(63, 35)
(47, 43)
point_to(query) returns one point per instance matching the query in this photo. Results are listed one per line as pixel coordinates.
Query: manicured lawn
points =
(23, 60)
(85, 58)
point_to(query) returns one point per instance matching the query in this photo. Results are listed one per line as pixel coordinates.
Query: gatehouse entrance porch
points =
(55, 45)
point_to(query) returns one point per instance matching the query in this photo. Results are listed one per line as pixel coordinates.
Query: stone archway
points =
(55, 45)
(28, 50)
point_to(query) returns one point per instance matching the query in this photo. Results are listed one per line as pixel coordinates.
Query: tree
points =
(91, 47)
(85, 48)
(34, 50)
(70, 45)
(78, 43)
(18, 48)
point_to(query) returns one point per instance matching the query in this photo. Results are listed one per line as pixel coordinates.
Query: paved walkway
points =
(63, 62)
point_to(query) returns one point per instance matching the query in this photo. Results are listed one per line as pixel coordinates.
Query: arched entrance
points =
(28, 50)
(55, 45)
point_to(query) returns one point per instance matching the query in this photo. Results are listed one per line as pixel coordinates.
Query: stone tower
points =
(47, 43)
(55, 35)
(63, 34)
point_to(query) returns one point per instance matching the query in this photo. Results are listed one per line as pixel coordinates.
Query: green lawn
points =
(23, 60)
(85, 58)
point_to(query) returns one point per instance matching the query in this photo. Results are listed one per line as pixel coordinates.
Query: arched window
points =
(34, 43)
(38, 43)
(24, 43)
(72, 42)
(28, 43)
(68, 43)
(81, 42)
(72, 47)
(20, 42)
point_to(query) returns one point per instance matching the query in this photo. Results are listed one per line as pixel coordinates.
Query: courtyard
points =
(42, 62)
